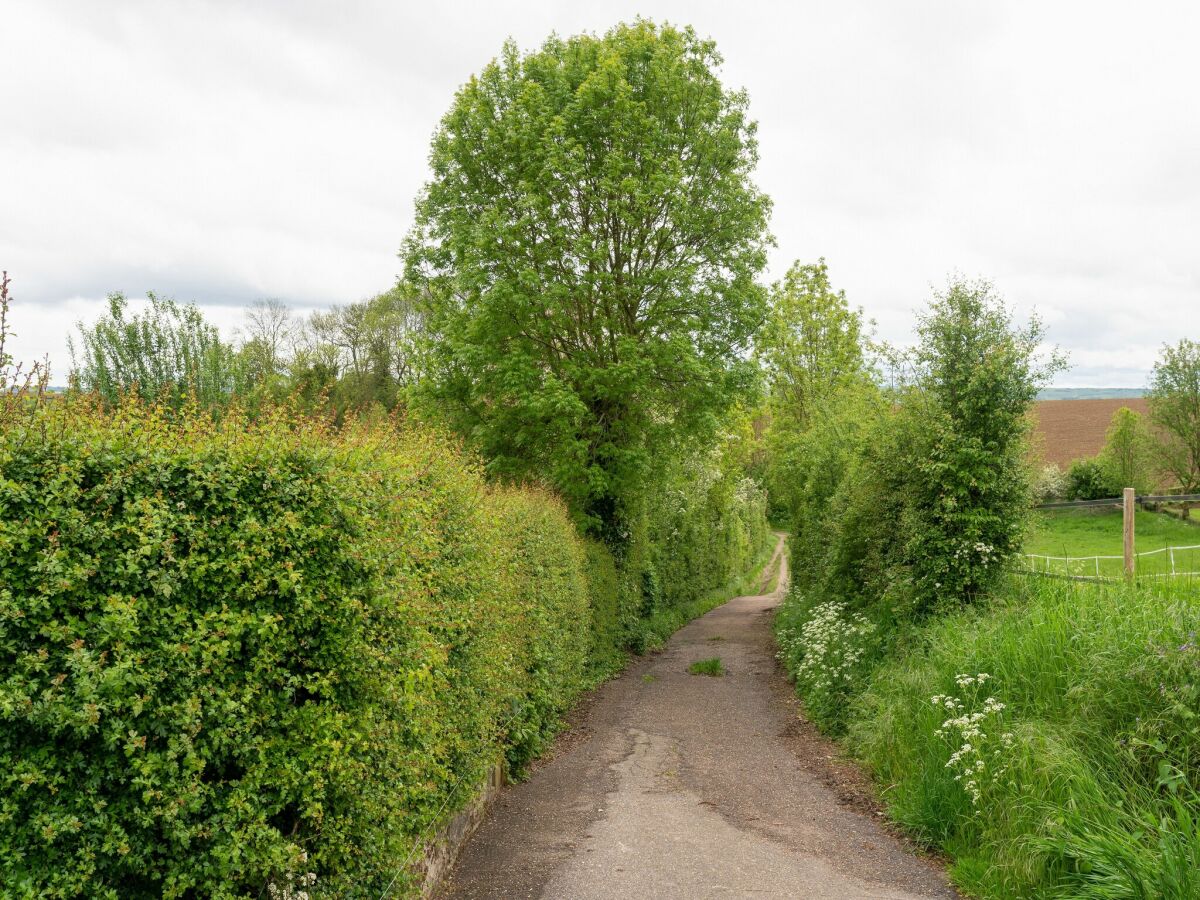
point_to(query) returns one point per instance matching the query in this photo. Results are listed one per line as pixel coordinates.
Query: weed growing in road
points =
(711, 667)
(649, 678)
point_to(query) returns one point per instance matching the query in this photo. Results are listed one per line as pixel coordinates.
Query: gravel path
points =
(670, 785)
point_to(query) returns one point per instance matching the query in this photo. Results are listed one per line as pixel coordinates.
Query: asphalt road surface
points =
(671, 785)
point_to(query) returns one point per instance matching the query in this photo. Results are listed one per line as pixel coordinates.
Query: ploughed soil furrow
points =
(1067, 430)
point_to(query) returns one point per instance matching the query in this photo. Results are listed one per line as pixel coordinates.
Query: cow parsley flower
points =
(981, 754)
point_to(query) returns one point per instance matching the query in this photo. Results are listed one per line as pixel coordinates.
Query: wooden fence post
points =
(1128, 508)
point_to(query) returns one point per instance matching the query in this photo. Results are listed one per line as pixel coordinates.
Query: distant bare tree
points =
(394, 323)
(270, 332)
(344, 328)
(371, 347)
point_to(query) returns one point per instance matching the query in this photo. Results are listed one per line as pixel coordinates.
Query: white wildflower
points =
(975, 734)
(828, 647)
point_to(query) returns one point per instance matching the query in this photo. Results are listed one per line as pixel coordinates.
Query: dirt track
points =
(670, 785)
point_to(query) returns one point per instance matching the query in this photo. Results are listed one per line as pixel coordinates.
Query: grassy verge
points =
(1049, 741)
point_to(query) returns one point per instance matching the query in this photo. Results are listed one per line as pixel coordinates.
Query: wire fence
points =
(1165, 562)
(1140, 499)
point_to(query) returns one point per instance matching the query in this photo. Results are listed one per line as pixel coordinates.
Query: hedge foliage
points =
(234, 653)
(927, 483)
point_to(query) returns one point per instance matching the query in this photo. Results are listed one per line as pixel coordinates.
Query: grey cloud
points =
(224, 152)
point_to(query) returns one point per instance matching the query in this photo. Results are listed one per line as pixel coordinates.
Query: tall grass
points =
(1094, 794)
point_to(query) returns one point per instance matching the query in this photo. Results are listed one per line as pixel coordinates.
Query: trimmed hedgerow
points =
(547, 592)
(607, 626)
(233, 654)
(241, 651)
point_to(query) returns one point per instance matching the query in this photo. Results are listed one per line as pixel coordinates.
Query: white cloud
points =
(221, 152)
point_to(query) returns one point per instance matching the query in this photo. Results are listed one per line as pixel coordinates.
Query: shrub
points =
(1128, 454)
(1087, 479)
(168, 352)
(919, 502)
(965, 506)
(226, 645)
(828, 650)
(966, 486)
(1049, 483)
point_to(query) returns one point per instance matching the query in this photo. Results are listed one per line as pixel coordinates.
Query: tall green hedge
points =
(225, 646)
(235, 653)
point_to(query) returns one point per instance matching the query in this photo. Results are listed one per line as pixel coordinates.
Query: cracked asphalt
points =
(671, 785)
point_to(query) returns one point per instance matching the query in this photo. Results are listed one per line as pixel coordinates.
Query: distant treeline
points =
(1089, 393)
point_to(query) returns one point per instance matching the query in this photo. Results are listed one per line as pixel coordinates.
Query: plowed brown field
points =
(1067, 430)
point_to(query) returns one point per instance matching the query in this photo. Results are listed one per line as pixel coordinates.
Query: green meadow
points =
(1083, 534)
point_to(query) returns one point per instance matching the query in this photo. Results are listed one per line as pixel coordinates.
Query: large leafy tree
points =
(1175, 409)
(589, 244)
(812, 343)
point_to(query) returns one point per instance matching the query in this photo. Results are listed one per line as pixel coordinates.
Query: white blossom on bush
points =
(984, 553)
(293, 885)
(1049, 483)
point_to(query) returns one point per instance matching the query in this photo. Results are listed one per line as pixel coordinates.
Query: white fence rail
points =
(1176, 562)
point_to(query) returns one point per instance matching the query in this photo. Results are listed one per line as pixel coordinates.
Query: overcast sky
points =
(226, 151)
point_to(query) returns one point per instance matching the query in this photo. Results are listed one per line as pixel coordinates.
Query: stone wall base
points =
(442, 850)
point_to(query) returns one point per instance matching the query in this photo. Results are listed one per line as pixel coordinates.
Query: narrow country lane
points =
(671, 785)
